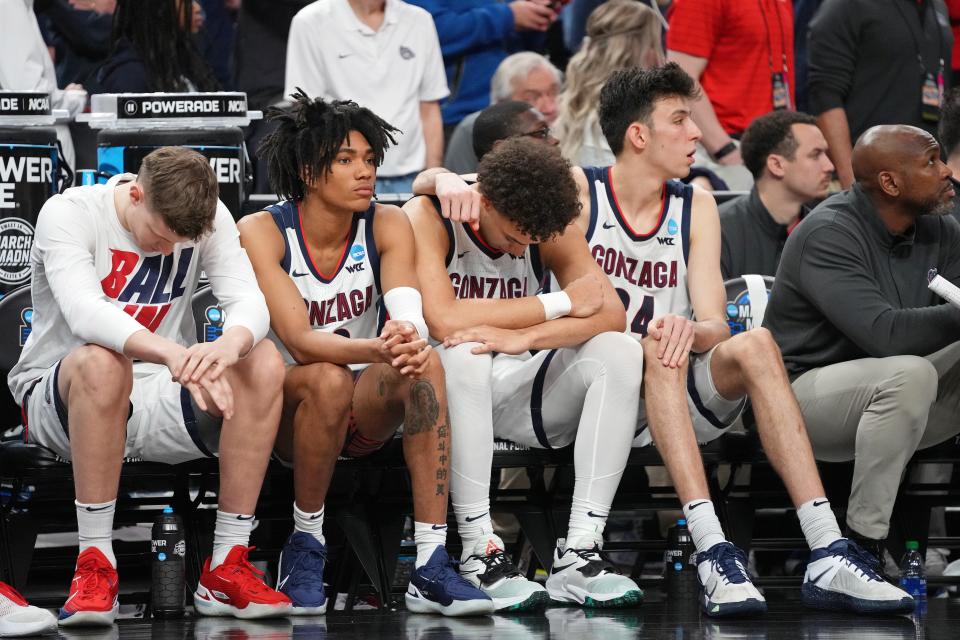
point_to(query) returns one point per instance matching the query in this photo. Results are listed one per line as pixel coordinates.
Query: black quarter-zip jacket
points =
(847, 288)
(751, 240)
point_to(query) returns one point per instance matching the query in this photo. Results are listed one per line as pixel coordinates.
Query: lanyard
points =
(783, 41)
(913, 36)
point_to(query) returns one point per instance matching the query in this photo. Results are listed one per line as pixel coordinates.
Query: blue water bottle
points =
(912, 579)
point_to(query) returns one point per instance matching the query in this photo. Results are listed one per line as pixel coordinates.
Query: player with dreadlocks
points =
(153, 49)
(331, 262)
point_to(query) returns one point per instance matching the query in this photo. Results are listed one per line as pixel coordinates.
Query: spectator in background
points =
(803, 12)
(385, 55)
(787, 155)
(81, 38)
(950, 142)
(876, 63)
(873, 354)
(26, 65)
(620, 34)
(742, 54)
(475, 36)
(153, 50)
(525, 76)
(215, 40)
(953, 9)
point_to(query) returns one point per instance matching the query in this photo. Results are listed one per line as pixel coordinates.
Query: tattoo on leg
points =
(422, 410)
(442, 434)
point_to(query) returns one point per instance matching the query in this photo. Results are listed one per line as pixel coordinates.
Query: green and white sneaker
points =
(490, 569)
(583, 576)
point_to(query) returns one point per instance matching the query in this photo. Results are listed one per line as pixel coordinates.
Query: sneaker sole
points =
(816, 598)
(418, 603)
(308, 611)
(748, 607)
(631, 598)
(253, 611)
(17, 629)
(534, 602)
(89, 618)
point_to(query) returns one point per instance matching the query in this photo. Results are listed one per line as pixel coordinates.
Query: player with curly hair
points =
(330, 263)
(564, 373)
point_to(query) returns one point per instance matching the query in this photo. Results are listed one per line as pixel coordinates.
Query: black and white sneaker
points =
(583, 576)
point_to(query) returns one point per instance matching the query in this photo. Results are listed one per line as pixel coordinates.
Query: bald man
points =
(872, 353)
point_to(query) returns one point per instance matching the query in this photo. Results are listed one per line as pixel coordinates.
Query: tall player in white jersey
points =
(659, 243)
(580, 387)
(330, 263)
(111, 369)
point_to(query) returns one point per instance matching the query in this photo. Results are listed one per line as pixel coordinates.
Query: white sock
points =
(95, 527)
(704, 526)
(232, 529)
(587, 521)
(473, 523)
(428, 537)
(311, 523)
(819, 524)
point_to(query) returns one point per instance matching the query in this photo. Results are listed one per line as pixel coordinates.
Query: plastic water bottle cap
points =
(161, 556)
(677, 566)
(168, 510)
(681, 522)
(912, 545)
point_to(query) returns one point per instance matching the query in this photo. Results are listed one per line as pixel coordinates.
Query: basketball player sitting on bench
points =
(330, 263)
(479, 298)
(114, 270)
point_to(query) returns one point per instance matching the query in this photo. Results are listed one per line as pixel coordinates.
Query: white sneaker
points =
(490, 569)
(17, 618)
(727, 589)
(583, 576)
(843, 577)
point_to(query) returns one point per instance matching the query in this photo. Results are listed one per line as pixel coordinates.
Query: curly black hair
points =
(308, 137)
(529, 183)
(771, 133)
(160, 32)
(629, 95)
(950, 122)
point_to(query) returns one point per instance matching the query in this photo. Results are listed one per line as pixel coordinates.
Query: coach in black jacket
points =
(872, 352)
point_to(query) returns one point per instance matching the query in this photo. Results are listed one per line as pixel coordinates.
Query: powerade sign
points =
(24, 104)
(169, 107)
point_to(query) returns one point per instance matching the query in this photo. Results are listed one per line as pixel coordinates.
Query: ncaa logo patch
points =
(740, 313)
(357, 252)
(26, 324)
(672, 227)
(213, 326)
(16, 239)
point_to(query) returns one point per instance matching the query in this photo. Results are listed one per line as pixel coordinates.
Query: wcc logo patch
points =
(26, 324)
(213, 323)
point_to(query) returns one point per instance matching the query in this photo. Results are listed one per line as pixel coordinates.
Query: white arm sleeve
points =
(405, 303)
(231, 276)
(64, 242)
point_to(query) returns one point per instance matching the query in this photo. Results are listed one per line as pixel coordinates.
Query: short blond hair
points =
(182, 189)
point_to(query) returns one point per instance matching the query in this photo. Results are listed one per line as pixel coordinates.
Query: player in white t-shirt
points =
(579, 387)
(659, 243)
(112, 370)
(332, 264)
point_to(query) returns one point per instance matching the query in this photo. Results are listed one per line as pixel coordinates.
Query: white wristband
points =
(556, 304)
(405, 303)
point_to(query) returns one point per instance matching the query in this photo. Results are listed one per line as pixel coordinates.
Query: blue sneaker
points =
(437, 587)
(727, 589)
(301, 574)
(845, 577)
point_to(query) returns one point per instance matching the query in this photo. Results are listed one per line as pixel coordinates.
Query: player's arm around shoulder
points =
(582, 222)
(704, 280)
(265, 247)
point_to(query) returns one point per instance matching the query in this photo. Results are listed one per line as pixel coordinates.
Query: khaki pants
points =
(878, 412)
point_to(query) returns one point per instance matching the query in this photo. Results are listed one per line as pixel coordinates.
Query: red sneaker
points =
(236, 588)
(93, 592)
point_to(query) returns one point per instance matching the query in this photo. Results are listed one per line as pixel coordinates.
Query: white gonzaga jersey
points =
(648, 269)
(478, 271)
(346, 301)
